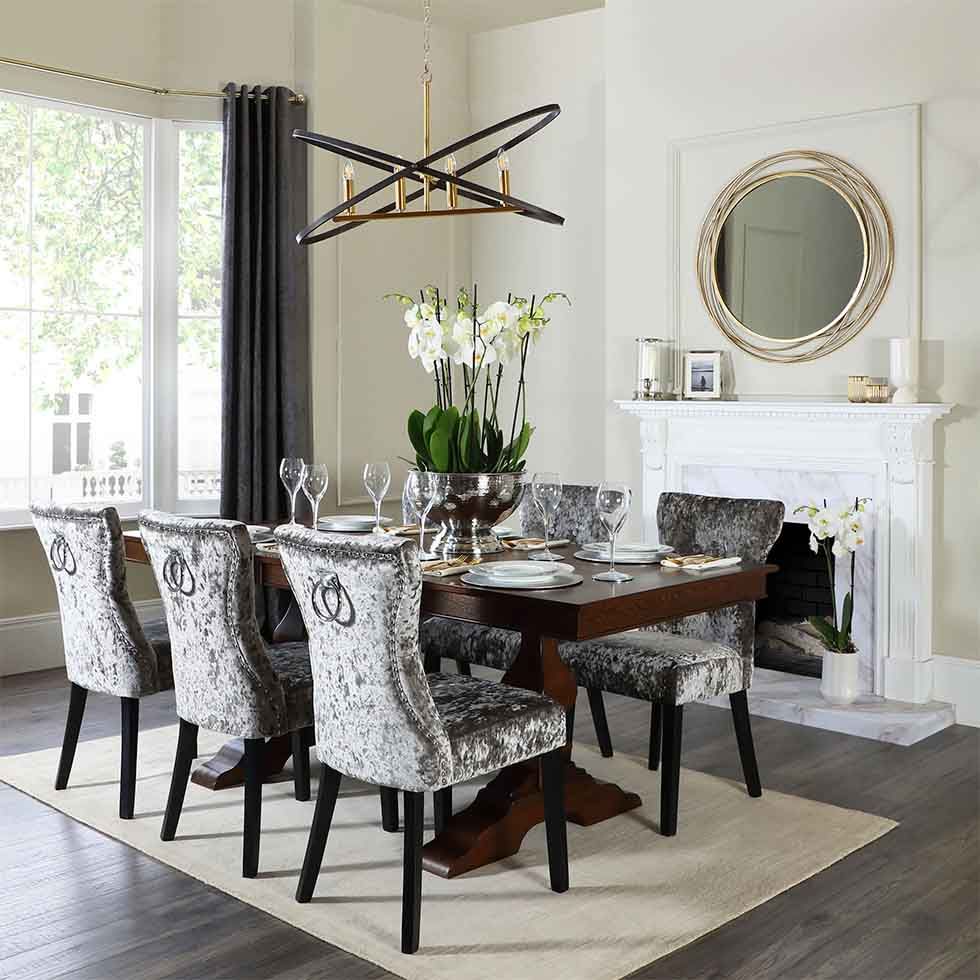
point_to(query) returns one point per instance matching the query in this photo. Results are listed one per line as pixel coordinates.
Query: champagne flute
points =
(612, 501)
(546, 490)
(315, 481)
(377, 479)
(422, 491)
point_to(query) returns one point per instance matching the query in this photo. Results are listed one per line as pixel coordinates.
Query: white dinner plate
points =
(602, 559)
(527, 569)
(639, 548)
(559, 581)
(350, 522)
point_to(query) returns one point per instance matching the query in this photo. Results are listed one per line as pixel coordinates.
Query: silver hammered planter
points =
(470, 505)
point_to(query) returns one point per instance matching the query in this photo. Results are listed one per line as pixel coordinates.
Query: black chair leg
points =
(130, 712)
(570, 723)
(746, 747)
(599, 720)
(463, 667)
(186, 746)
(656, 730)
(670, 777)
(442, 805)
(553, 785)
(301, 764)
(389, 809)
(412, 877)
(254, 750)
(326, 800)
(73, 723)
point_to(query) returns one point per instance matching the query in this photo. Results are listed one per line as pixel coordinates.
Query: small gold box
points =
(856, 387)
(876, 391)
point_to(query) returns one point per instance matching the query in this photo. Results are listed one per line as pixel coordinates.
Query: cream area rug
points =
(634, 895)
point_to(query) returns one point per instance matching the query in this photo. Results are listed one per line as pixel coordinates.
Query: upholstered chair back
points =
(720, 526)
(577, 517)
(105, 649)
(359, 596)
(223, 680)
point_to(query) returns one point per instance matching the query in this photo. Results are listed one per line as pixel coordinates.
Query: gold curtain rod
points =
(152, 89)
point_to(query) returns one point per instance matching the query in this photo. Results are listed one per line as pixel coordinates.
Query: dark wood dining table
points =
(505, 809)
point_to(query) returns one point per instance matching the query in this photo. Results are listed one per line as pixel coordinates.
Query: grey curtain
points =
(265, 362)
(265, 352)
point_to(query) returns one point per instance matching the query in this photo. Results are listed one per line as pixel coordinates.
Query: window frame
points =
(160, 308)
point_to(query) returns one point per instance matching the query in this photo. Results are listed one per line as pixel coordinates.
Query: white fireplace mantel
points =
(797, 451)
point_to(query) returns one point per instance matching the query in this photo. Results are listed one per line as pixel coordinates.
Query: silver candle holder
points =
(654, 369)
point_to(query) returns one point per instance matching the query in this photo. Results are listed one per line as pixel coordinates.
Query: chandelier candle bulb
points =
(503, 168)
(400, 200)
(452, 191)
(349, 184)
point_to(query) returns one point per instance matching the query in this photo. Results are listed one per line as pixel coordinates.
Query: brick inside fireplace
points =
(800, 588)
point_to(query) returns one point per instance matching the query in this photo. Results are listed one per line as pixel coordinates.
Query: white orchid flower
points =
(825, 523)
(499, 317)
(461, 332)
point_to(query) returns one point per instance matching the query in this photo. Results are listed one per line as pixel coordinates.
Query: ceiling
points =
(482, 15)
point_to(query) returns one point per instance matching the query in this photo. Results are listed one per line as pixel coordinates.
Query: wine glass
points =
(377, 479)
(612, 501)
(546, 491)
(291, 474)
(422, 490)
(315, 480)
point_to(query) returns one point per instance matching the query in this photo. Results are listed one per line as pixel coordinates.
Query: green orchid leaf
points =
(522, 443)
(431, 420)
(440, 442)
(844, 639)
(826, 630)
(416, 422)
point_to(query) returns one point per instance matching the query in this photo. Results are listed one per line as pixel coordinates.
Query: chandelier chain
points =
(426, 43)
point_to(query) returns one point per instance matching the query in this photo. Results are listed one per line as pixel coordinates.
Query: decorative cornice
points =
(804, 411)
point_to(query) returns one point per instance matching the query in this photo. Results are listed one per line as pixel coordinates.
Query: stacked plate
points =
(523, 575)
(350, 523)
(260, 533)
(637, 553)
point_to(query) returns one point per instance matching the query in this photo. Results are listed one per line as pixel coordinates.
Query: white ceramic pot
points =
(839, 679)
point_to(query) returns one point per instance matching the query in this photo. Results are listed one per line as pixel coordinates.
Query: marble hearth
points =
(796, 451)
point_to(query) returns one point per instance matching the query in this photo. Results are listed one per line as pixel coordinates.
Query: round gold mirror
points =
(793, 261)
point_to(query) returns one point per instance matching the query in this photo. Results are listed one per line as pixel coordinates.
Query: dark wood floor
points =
(74, 903)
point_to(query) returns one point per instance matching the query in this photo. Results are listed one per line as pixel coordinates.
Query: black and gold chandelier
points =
(400, 173)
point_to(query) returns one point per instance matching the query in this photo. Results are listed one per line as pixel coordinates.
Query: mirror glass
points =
(790, 256)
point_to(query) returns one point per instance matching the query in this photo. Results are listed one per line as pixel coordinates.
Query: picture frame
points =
(702, 374)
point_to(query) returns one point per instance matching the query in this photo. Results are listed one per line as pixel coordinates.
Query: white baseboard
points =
(957, 681)
(34, 642)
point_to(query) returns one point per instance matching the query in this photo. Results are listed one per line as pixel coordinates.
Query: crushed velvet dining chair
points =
(577, 520)
(107, 649)
(669, 664)
(226, 678)
(382, 720)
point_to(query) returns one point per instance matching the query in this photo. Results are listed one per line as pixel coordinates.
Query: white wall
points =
(690, 70)
(561, 169)
(366, 89)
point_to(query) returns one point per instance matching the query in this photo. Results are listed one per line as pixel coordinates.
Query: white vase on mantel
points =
(839, 677)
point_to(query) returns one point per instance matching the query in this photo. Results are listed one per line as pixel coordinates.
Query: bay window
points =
(110, 286)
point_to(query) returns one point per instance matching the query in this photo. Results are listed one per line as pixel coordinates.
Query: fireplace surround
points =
(797, 451)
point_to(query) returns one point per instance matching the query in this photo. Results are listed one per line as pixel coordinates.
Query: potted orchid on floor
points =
(467, 438)
(838, 533)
